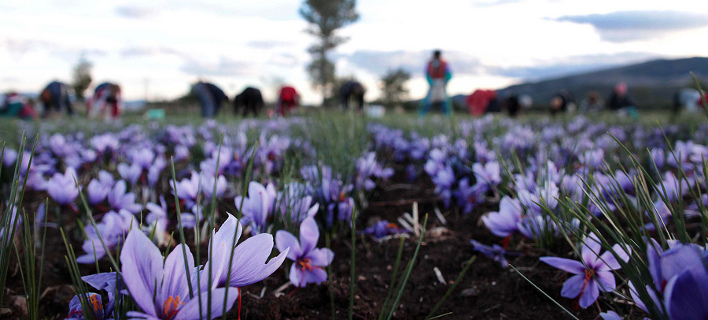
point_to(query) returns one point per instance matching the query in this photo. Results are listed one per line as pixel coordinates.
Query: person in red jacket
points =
(438, 74)
(288, 99)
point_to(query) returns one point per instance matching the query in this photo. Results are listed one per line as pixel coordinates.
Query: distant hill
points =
(651, 83)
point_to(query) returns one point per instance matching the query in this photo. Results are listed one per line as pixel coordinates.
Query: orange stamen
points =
(171, 307)
(305, 264)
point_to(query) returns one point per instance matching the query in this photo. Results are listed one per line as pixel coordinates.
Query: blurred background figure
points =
(621, 101)
(688, 99)
(288, 99)
(250, 99)
(14, 105)
(438, 75)
(352, 90)
(562, 102)
(106, 102)
(620, 98)
(56, 96)
(478, 101)
(210, 98)
(592, 103)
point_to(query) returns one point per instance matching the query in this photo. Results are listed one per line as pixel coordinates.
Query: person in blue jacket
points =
(56, 96)
(438, 74)
(210, 98)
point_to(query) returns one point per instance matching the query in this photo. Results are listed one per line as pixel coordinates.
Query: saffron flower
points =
(257, 207)
(118, 199)
(62, 187)
(248, 265)
(383, 229)
(504, 222)
(94, 300)
(309, 262)
(108, 281)
(161, 289)
(494, 252)
(592, 275)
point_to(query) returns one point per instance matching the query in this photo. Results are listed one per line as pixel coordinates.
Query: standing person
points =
(352, 90)
(210, 98)
(288, 99)
(106, 101)
(250, 99)
(438, 74)
(56, 96)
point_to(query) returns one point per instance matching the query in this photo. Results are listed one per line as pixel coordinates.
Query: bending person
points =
(56, 96)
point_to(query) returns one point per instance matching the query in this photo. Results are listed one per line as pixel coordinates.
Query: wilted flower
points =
(494, 252)
(382, 229)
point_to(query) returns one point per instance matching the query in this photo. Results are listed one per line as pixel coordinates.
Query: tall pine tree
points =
(325, 18)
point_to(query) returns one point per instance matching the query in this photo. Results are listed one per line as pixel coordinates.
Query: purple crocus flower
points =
(258, 206)
(119, 199)
(187, 189)
(130, 173)
(142, 158)
(62, 187)
(504, 222)
(112, 230)
(685, 292)
(383, 229)
(160, 288)
(108, 281)
(9, 157)
(610, 315)
(592, 275)
(94, 300)
(309, 262)
(208, 182)
(98, 189)
(249, 258)
(679, 276)
(488, 174)
(468, 197)
(494, 252)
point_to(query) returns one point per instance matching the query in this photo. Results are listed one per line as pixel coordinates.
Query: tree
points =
(325, 18)
(393, 85)
(82, 77)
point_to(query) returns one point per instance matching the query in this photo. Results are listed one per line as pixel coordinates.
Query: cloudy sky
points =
(156, 48)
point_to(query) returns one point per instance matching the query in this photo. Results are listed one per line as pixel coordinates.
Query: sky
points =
(155, 49)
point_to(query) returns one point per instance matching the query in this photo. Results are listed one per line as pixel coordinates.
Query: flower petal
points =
(568, 265)
(190, 311)
(249, 262)
(142, 264)
(285, 240)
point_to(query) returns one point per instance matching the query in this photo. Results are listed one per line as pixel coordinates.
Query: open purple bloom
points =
(592, 275)
(112, 230)
(487, 174)
(249, 258)
(504, 222)
(109, 282)
(62, 187)
(118, 199)
(160, 288)
(130, 173)
(98, 189)
(309, 261)
(188, 189)
(94, 300)
(142, 157)
(258, 206)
